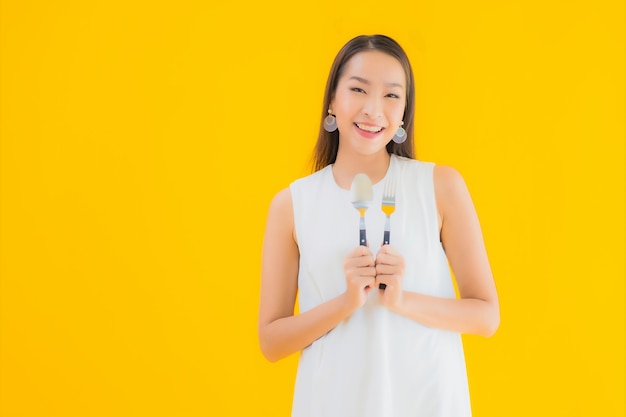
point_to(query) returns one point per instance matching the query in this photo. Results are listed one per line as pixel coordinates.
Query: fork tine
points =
(389, 192)
(389, 202)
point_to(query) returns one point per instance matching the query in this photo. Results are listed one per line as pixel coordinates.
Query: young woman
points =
(368, 351)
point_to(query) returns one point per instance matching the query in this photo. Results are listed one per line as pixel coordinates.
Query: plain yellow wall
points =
(142, 142)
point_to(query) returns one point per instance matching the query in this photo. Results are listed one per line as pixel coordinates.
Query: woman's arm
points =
(477, 309)
(282, 333)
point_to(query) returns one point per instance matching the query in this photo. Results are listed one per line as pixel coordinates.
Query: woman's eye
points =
(358, 90)
(393, 96)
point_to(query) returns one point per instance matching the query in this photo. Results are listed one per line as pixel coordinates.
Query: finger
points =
(369, 281)
(385, 258)
(389, 252)
(389, 249)
(358, 274)
(361, 251)
(358, 263)
(387, 264)
(369, 272)
(389, 258)
(361, 281)
(381, 283)
(385, 269)
(390, 281)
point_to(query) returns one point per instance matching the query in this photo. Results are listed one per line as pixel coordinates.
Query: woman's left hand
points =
(390, 271)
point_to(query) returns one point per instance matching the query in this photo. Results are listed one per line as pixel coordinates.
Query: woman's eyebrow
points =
(366, 82)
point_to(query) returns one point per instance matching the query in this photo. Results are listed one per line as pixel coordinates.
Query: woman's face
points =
(369, 101)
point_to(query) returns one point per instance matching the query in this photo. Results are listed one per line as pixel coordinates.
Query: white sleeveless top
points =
(375, 363)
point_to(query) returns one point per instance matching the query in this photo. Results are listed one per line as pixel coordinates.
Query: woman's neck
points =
(347, 166)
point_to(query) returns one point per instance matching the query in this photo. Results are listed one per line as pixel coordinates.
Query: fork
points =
(388, 207)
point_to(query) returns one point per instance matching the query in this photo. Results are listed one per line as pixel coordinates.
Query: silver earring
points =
(330, 122)
(400, 135)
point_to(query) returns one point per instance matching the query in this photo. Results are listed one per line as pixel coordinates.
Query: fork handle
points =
(362, 238)
(385, 242)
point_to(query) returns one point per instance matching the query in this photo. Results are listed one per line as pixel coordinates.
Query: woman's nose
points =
(372, 107)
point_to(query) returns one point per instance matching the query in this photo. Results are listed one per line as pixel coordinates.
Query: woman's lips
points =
(368, 131)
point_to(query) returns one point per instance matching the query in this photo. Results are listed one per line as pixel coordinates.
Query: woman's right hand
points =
(360, 271)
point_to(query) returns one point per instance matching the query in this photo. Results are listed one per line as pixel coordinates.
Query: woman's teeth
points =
(373, 129)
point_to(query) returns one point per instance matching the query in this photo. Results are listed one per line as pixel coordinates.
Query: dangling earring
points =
(330, 122)
(400, 135)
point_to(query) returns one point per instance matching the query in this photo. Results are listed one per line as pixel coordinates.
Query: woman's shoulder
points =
(408, 163)
(443, 175)
(281, 205)
(447, 179)
(415, 171)
(283, 199)
(306, 187)
(311, 178)
(451, 192)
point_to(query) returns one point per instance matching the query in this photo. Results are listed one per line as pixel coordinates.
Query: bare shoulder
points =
(280, 215)
(281, 202)
(447, 180)
(451, 192)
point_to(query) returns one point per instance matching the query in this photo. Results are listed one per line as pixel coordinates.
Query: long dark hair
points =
(325, 152)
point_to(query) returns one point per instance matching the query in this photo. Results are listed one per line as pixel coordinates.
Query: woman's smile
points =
(368, 131)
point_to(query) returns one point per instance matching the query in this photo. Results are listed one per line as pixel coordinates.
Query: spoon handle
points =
(362, 238)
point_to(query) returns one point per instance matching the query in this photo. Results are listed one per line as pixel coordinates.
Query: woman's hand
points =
(360, 272)
(390, 271)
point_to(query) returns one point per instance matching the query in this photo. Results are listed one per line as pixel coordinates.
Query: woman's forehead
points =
(375, 67)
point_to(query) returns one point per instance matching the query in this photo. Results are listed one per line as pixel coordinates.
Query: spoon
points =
(361, 195)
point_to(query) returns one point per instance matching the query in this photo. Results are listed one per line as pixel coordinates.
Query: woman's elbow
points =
(491, 323)
(269, 348)
(269, 353)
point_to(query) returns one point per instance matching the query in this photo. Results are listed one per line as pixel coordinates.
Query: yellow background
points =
(142, 142)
